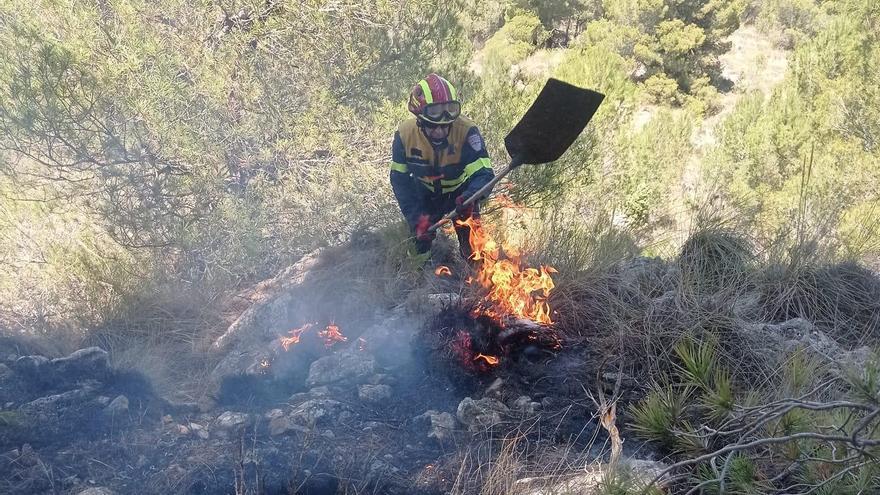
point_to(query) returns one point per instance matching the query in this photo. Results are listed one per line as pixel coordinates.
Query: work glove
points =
(422, 226)
(463, 211)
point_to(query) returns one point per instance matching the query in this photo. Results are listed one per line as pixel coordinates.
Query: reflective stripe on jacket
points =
(422, 173)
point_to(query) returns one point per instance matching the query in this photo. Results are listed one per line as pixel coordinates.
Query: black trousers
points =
(436, 210)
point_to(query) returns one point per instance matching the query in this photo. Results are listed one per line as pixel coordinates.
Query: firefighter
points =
(438, 160)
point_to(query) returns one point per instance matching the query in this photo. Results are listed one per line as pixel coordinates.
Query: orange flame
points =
(442, 270)
(513, 289)
(490, 360)
(332, 335)
(295, 335)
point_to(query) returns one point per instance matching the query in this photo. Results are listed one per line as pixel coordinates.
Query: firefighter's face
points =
(436, 133)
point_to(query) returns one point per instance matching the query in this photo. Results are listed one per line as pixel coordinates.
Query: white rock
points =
(480, 414)
(374, 393)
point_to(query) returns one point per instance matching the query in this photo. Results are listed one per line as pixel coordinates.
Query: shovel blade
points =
(552, 123)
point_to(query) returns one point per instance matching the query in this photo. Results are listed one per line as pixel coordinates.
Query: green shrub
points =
(662, 89)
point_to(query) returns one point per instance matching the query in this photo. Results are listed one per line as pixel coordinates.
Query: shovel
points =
(548, 128)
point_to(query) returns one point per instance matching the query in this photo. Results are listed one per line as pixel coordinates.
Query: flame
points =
(295, 335)
(331, 335)
(442, 270)
(490, 360)
(513, 289)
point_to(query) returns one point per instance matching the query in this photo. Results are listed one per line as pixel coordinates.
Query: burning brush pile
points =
(506, 317)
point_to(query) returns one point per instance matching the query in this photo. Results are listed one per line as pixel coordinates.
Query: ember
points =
(442, 270)
(461, 346)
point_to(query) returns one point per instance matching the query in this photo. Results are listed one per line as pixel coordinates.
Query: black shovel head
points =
(552, 123)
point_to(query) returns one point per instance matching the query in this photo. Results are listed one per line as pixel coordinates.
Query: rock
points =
(199, 430)
(389, 342)
(231, 422)
(275, 300)
(32, 366)
(374, 393)
(280, 424)
(635, 472)
(91, 361)
(778, 341)
(55, 404)
(315, 411)
(322, 391)
(97, 490)
(525, 405)
(438, 425)
(119, 405)
(349, 366)
(274, 413)
(480, 414)
(5, 372)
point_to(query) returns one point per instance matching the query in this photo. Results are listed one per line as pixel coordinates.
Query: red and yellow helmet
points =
(435, 100)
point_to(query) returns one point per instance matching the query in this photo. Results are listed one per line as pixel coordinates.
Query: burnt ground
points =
(62, 429)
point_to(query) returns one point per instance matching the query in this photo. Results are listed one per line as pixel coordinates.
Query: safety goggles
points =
(442, 113)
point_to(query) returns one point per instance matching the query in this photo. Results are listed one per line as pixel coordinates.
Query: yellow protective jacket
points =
(425, 177)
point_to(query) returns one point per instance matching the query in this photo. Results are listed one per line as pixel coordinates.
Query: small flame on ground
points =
(330, 335)
(442, 270)
(490, 360)
(295, 335)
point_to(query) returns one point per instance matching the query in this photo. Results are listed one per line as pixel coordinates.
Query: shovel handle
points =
(514, 163)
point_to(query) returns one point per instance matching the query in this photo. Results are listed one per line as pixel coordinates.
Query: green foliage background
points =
(171, 150)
